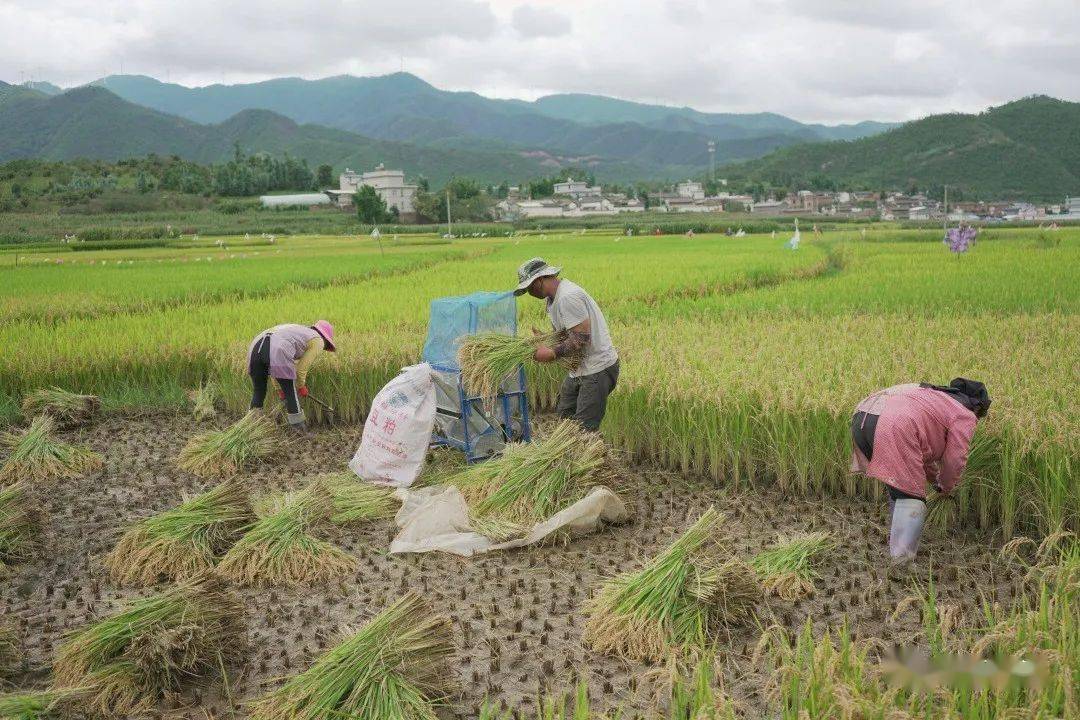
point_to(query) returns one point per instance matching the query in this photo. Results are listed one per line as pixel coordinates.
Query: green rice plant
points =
(223, 453)
(36, 705)
(487, 359)
(786, 568)
(35, 455)
(204, 401)
(398, 666)
(10, 653)
(67, 409)
(357, 501)
(279, 547)
(19, 524)
(530, 482)
(183, 542)
(158, 645)
(942, 511)
(678, 602)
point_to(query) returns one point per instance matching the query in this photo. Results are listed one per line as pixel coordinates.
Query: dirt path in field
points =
(517, 614)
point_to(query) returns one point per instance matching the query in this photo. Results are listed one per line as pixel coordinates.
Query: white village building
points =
(389, 185)
(574, 188)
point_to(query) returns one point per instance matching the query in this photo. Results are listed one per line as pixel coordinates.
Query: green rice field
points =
(741, 363)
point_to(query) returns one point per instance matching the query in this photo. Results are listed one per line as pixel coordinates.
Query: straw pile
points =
(678, 603)
(222, 453)
(204, 401)
(19, 524)
(395, 668)
(185, 541)
(487, 359)
(159, 645)
(36, 705)
(786, 569)
(941, 513)
(530, 482)
(280, 548)
(36, 455)
(67, 409)
(357, 501)
(10, 655)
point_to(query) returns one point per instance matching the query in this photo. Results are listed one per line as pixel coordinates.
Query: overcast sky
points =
(828, 61)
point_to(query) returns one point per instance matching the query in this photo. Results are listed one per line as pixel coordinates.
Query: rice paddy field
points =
(762, 559)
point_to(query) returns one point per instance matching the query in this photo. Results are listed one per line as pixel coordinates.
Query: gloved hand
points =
(281, 394)
(303, 392)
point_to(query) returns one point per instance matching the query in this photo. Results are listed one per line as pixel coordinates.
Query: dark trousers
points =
(585, 398)
(863, 426)
(259, 369)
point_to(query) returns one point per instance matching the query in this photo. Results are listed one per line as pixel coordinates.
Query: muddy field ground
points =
(517, 614)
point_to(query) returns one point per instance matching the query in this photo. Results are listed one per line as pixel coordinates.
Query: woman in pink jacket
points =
(285, 353)
(909, 435)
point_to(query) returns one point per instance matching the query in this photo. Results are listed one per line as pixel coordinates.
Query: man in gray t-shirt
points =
(583, 395)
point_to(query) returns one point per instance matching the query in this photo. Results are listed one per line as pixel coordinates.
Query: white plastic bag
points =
(398, 429)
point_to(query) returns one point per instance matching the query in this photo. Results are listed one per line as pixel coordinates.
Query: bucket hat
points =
(532, 269)
(326, 330)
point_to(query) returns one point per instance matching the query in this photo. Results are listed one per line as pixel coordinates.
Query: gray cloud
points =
(532, 21)
(830, 60)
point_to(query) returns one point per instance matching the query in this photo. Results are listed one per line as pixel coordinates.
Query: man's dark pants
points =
(585, 398)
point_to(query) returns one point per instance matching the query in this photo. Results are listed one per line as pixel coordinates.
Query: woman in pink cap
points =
(910, 435)
(285, 353)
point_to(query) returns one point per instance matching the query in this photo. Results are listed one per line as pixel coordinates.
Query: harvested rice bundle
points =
(941, 513)
(397, 667)
(19, 523)
(204, 401)
(10, 655)
(36, 455)
(785, 569)
(279, 548)
(486, 359)
(530, 482)
(678, 602)
(356, 500)
(35, 705)
(160, 644)
(222, 453)
(68, 409)
(185, 541)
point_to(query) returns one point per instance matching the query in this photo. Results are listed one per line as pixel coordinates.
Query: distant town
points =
(577, 198)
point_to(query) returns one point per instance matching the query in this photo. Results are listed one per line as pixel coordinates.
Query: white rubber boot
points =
(908, 517)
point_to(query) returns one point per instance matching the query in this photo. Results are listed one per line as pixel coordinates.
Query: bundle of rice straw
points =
(36, 455)
(67, 409)
(280, 549)
(37, 705)
(678, 603)
(222, 453)
(941, 513)
(487, 359)
(357, 501)
(10, 655)
(204, 401)
(530, 482)
(160, 644)
(396, 667)
(785, 569)
(19, 525)
(185, 541)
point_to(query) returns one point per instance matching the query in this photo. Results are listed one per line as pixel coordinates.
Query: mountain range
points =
(1028, 148)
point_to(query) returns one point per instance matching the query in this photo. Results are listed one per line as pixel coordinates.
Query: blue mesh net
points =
(454, 317)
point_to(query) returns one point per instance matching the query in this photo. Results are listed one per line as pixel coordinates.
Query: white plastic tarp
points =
(437, 518)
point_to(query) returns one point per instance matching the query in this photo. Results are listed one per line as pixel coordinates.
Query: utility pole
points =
(712, 161)
(945, 222)
(449, 227)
